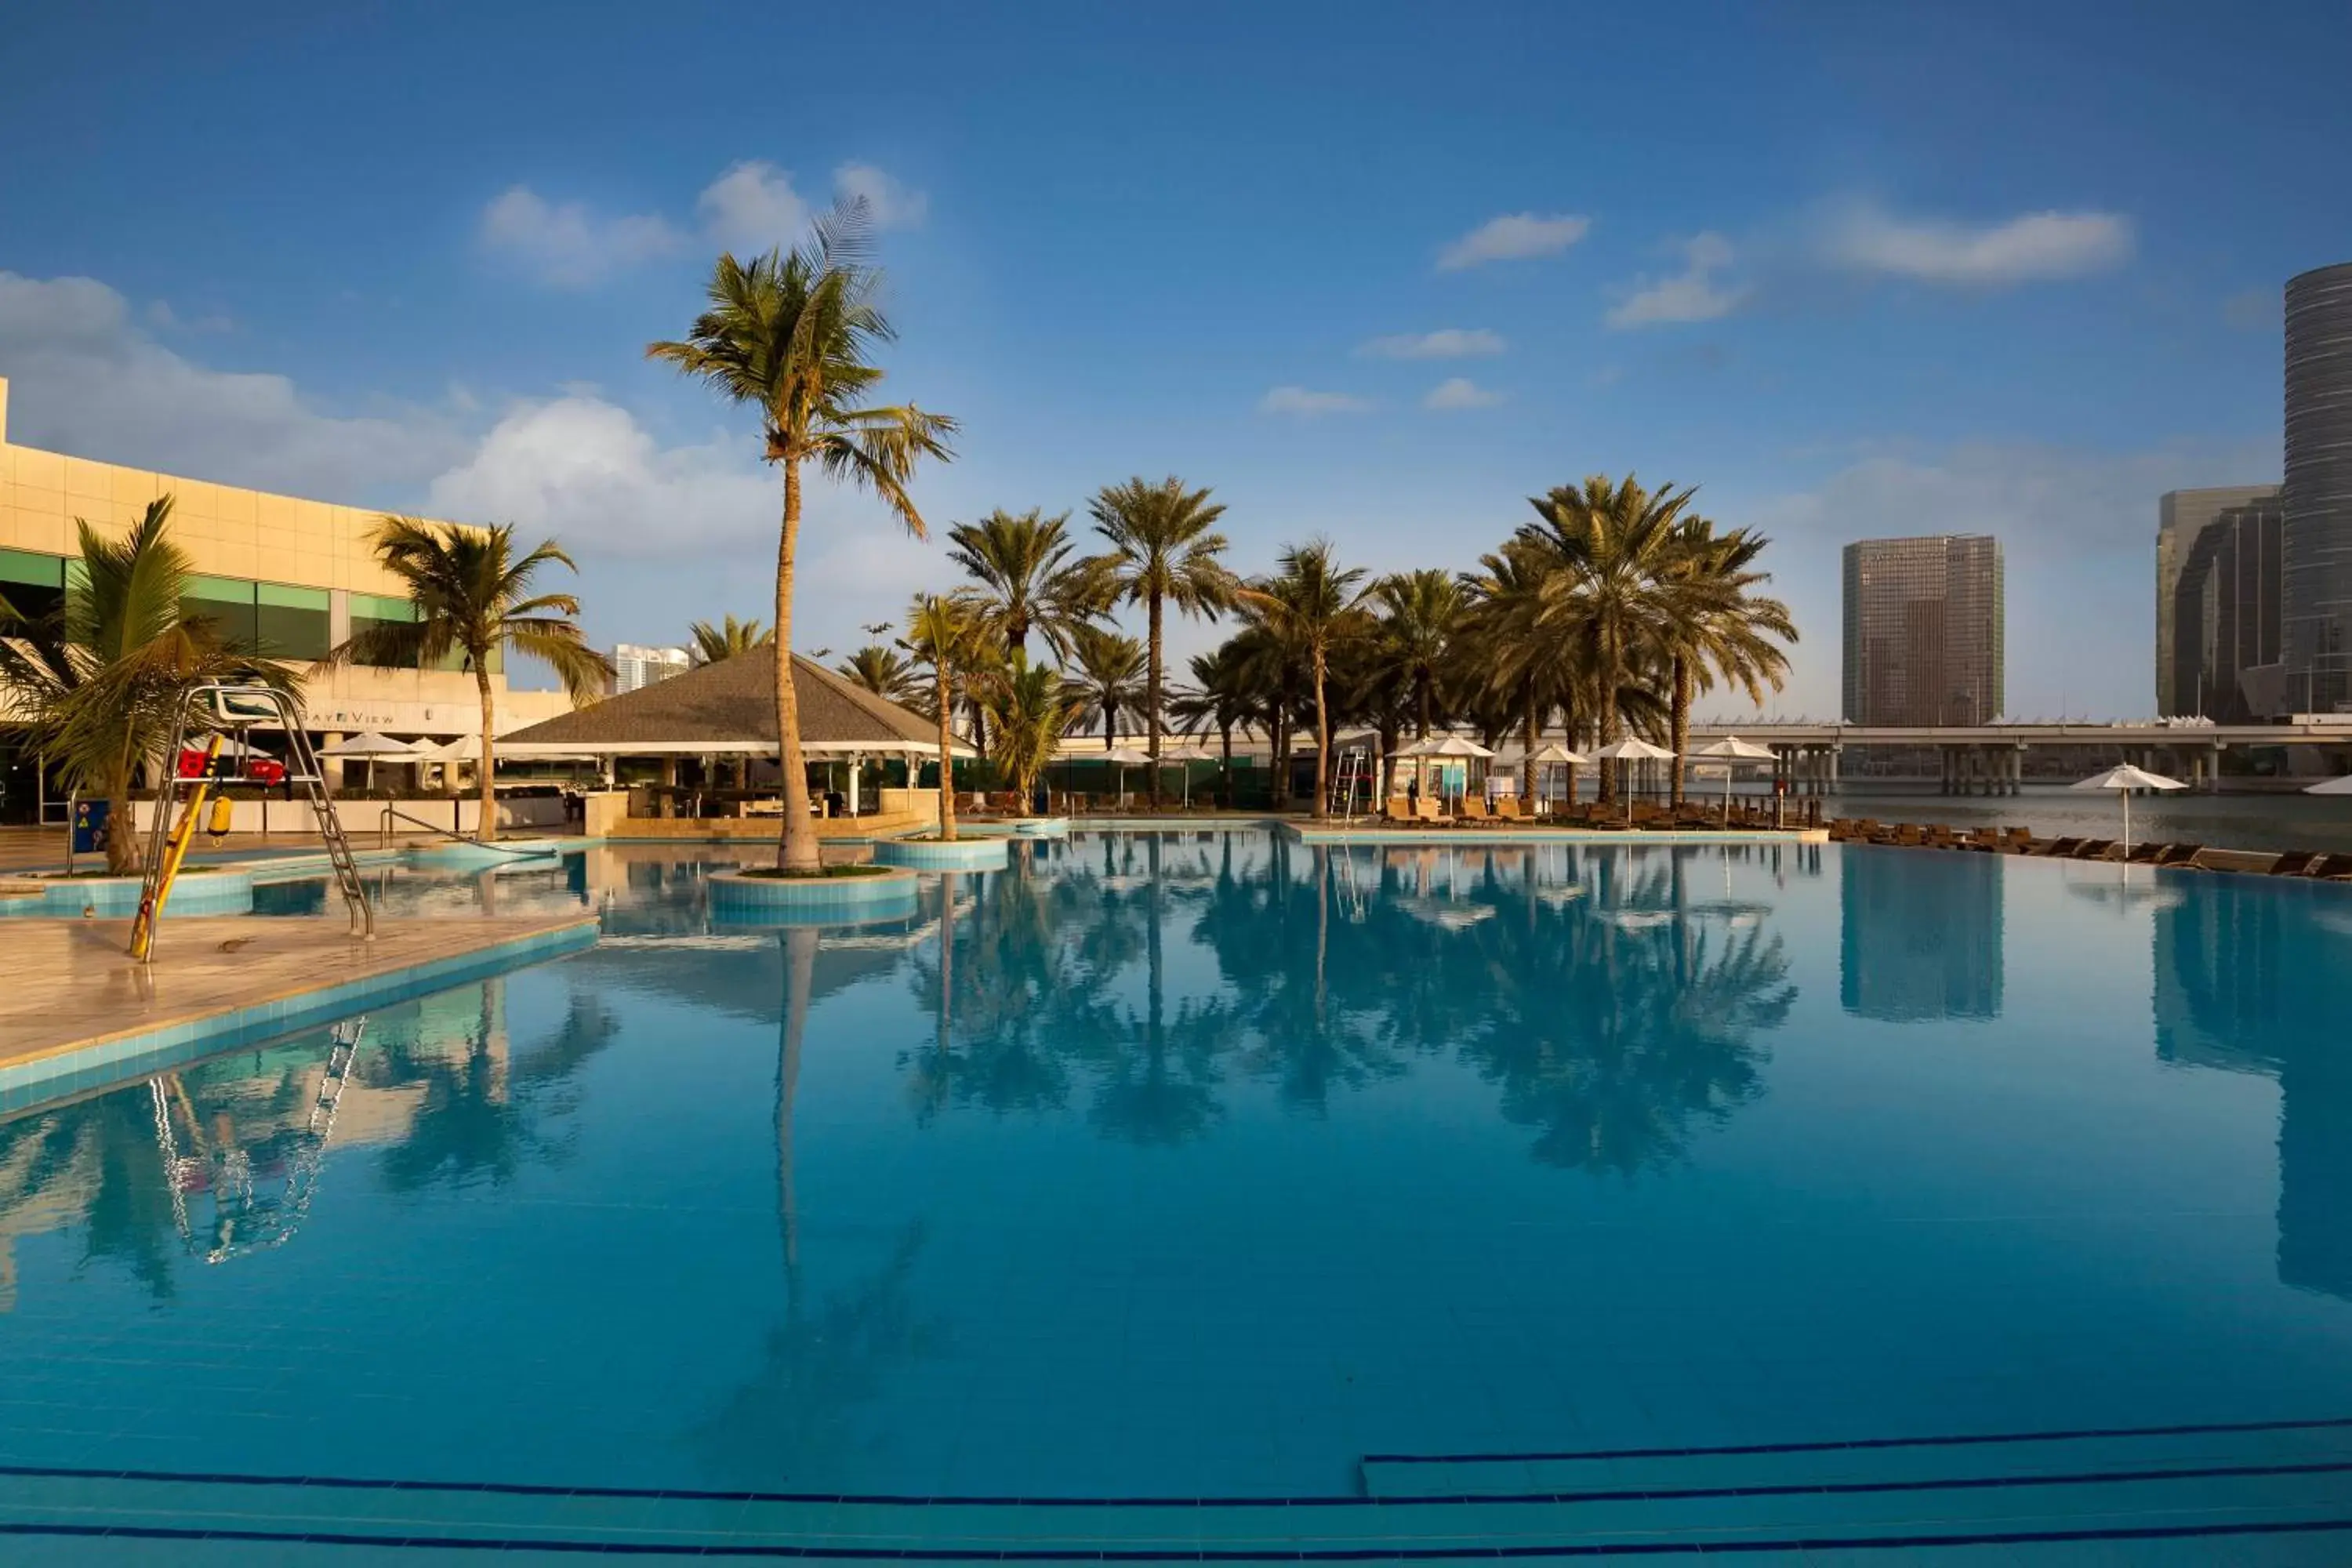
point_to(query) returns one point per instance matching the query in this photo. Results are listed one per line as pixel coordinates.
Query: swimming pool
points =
(1180, 1165)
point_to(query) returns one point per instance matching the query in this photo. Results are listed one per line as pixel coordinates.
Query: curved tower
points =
(2316, 541)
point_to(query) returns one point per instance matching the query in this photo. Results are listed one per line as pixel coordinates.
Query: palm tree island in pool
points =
(792, 334)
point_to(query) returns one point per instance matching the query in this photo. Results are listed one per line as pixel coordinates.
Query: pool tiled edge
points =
(91, 1063)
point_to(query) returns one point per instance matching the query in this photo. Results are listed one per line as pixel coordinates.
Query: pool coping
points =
(151, 1043)
(1516, 832)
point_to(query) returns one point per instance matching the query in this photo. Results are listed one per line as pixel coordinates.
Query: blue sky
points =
(1376, 273)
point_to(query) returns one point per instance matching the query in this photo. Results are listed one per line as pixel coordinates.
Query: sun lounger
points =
(2058, 849)
(2330, 867)
(2178, 853)
(1428, 810)
(2294, 863)
(2094, 848)
(1398, 813)
(1474, 809)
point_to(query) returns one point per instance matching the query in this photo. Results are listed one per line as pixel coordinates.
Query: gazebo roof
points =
(729, 708)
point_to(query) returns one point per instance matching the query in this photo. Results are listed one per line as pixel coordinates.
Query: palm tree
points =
(1311, 603)
(1516, 667)
(714, 644)
(793, 334)
(1221, 698)
(1164, 551)
(472, 596)
(941, 631)
(1418, 616)
(1610, 551)
(1107, 679)
(1027, 580)
(98, 683)
(881, 671)
(1027, 710)
(1720, 628)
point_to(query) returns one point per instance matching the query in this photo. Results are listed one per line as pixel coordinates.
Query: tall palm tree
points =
(1104, 676)
(1163, 552)
(1027, 581)
(1609, 550)
(1221, 698)
(793, 334)
(726, 640)
(1419, 613)
(942, 631)
(1027, 709)
(881, 671)
(1720, 628)
(1515, 668)
(471, 595)
(1312, 604)
(98, 683)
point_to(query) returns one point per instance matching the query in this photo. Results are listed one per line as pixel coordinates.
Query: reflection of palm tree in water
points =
(790, 1419)
(1613, 1039)
(483, 1115)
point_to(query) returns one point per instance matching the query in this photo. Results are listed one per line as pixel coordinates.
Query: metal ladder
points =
(244, 1219)
(217, 708)
(1351, 774)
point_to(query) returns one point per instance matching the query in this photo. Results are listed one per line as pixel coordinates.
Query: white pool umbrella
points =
(370, 746)
(1123, 758)
(1553, 755)
(2123, 779)
(1187, 755)
(2331, 787)
(1632, 749)
(1732, 749)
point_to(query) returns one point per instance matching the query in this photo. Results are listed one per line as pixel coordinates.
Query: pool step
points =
(2298, 1513)
(1948, 1462)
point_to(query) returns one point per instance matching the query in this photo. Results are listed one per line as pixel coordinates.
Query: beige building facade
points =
(291, 576)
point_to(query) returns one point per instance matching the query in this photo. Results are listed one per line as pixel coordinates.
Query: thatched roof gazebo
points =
(728, 709)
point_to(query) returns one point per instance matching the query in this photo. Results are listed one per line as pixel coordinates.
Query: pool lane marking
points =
(1390, 1554)
(2077, 1435)
(1621, 1494)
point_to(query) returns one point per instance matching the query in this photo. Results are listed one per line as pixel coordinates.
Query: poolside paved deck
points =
(71, 985)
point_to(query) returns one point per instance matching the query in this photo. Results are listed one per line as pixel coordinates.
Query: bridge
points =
(1988, 758)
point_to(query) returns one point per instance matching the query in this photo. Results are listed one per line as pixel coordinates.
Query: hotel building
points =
(1925, 631)
(292, 577)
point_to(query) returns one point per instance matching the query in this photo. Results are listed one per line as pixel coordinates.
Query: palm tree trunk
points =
(1151, 702)
(1225, 775)
(1680, 721)
(946, 694)
(796, 852)
(1530, 730)
(1388, 759)
(487, 782)
(121, 833)
(1322, 745)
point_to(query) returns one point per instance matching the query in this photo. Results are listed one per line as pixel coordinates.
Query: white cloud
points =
(1460, 391)
(893, 206)
(1306, 404)
(1446, 342)
(564, 244)
(2032, 247)
(1513, 237)
(585, 470)
(1690, 295)
(752, 207)
(88, 377)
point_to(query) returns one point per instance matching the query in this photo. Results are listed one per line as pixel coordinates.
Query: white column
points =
(856, 768)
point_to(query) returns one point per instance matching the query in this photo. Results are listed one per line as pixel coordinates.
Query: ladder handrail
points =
(474, 840)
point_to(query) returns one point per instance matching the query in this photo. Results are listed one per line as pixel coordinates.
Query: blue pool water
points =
(1207, 1164)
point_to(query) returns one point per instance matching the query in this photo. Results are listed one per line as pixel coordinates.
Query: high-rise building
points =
(2316, 541)
(635, 666)
(2217, 599)
(1925, 630)
(1909, 960)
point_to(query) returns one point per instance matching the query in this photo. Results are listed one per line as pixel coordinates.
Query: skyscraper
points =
(2217, 599)
(1925, 630)
(2317, 538)
(635, 666)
